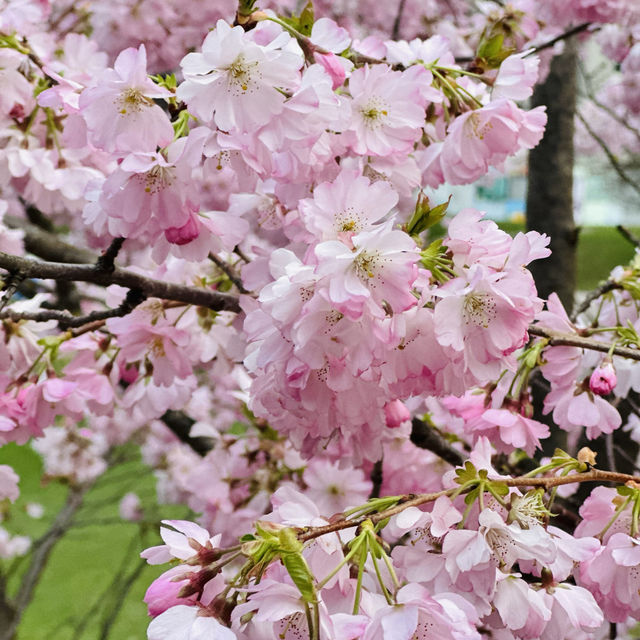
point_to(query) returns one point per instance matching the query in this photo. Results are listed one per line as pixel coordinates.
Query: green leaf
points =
(492, 51)
(472, 496)
(468, 474)
(238, 429)
(306, 19)
(298, 569)
(424, 216)
(499, 488)
(490, 48)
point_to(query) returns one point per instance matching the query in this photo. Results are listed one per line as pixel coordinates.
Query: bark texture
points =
(550, 192)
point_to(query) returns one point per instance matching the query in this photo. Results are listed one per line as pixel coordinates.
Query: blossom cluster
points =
(294, 292)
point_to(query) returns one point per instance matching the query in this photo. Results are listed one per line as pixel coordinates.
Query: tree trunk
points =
(550, 191)
(550, 201)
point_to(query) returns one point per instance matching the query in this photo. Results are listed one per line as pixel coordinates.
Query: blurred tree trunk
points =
(550, 200)
(550, 192)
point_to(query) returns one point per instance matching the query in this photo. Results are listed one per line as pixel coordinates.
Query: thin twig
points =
(11, 285)
(67, 321)
(121, 594)
(563, 36)
(628, 235)
(395, 32)
(223, 266)
(609, 285)
(415, 500)
(549, 43)
(617, 167)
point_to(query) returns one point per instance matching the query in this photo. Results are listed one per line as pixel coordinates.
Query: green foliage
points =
(426, 216)
(302, 23)
(94, 577)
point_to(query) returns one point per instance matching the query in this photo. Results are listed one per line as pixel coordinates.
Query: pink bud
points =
(162, 593)
(603, 379)
(333, 67)
(184, 234)
(128, 372)
(396, 413)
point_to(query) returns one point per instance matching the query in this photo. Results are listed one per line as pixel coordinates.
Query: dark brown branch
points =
(425, 437)
(377, 477)
(395, 32)
(48, 246)
(563, 36)
(549, 43)
(128, 279)
(225, 268)
(567, 340)
(67, 321)
(12, 282)
(106, 262)
(632, 238)
(180, 423)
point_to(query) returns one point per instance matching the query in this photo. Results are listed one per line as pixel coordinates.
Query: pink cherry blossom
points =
(120, 112)
(387, 110)
(236, 81)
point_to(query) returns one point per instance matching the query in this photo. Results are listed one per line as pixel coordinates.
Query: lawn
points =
(94, 582)
(599, 250)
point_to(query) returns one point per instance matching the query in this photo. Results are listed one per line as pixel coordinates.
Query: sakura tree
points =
(219, 241)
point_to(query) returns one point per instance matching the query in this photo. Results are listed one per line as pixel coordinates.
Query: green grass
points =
(599, 250)
(94, 581)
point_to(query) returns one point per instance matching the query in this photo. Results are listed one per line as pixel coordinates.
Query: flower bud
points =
(396, 413)
(184, 234)
(603, 379)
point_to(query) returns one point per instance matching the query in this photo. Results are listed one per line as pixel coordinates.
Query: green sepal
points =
(425, 216)
(302, 23)
(492, 51)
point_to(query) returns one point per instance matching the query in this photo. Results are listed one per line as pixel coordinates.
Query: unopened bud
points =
(603, 379)
(184, 234)
(396, 413)
(587, 456)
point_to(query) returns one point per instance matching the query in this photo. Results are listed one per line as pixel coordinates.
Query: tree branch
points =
(617, 167)
(128, 279)
(609, 285)
(425, 437)
(563, 36)
(225, 268)
(635, 241)
(568, 340)
(106, 262)
(67, 321)
(48, 246)
(180, 424)
(395, 31)
(415, 500)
